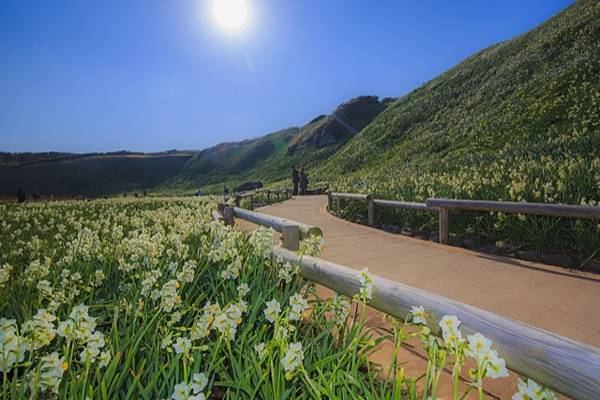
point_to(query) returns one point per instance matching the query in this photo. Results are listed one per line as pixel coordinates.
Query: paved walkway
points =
(552, 298)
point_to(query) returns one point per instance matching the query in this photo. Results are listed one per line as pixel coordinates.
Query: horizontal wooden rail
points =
(404, 204)
(290, 233)
(371, 203)
(553, 210)
(445, 206)
(263, 191)
(276, 223)
(350, 196)
(563, 364)
(267, 192)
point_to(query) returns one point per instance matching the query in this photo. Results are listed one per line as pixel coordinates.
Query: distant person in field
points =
(303, 181)
(21, 195)
(295, 180)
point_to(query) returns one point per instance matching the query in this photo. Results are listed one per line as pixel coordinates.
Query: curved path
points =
(552, 298)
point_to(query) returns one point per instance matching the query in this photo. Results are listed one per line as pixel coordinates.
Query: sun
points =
(230, 14)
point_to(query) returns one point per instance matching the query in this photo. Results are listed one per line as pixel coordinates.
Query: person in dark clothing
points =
(303, 181)
(225, 191)
(21, 195)
(295, 180)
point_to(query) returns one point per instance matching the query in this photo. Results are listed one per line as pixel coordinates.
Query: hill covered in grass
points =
(518, 121)
(268, 158)
(529, 100)
(88, 175)
(345, 122)
(271, 157)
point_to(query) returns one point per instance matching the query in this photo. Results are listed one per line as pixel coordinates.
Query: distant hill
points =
(271, 157)
(268, 158)
(20, 159)
(89, 175)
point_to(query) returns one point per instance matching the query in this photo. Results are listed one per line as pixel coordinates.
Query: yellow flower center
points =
(65, 366)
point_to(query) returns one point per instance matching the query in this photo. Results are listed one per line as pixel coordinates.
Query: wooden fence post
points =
(329, 201)
(268, 197)
(444, 222)
(252, 202)
(237, 200)
(291, 237)
(371, 209)
(216, 216)
(228, 215)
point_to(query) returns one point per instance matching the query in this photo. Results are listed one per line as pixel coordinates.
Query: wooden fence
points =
(292, 231)
(270, 195)
(567, 366)
(445, 206)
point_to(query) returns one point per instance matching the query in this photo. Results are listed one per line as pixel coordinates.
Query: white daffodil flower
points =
(272, 310)
(182, 345)
(478, 347)
(418, 315)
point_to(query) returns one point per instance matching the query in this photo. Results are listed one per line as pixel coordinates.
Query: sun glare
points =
(230, 14)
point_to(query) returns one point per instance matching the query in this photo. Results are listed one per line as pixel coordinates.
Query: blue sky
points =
(153, 75)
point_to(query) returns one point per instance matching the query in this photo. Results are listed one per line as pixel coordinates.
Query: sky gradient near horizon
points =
(152, 75)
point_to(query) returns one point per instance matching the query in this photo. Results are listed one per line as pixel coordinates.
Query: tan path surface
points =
(551, 298)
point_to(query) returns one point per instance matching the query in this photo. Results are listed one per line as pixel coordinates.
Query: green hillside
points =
(517, 121)
(88, 175)
(539, 89)
(336, 129)
(267, 159)
(270, 158)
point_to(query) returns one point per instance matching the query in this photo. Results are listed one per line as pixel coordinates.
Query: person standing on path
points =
(303, 181)
(295, 180)
(21, 197)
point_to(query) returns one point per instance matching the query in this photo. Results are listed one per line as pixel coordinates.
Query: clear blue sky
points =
(151, 75)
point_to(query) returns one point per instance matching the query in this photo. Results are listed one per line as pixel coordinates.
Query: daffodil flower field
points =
(563, 178)
(151, 299)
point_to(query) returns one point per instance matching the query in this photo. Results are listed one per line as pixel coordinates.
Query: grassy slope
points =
(232, 163)
(536, 95)
(270, 158)
(90, 174)
(265, 159)
(517, 121)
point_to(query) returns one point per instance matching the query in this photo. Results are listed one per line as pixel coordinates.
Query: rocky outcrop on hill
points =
(346, 121)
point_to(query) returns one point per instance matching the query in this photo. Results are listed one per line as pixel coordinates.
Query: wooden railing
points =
(567, 366)
(445, 206)
(292, 231)
(272, 195)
